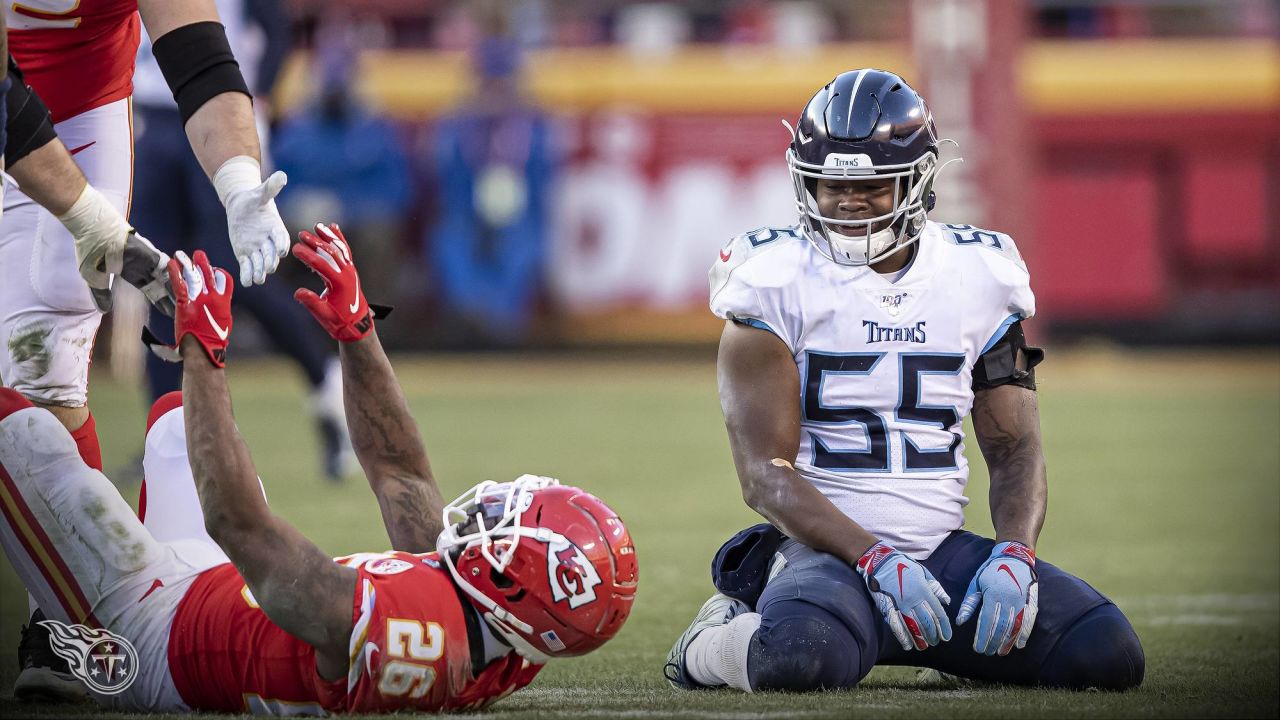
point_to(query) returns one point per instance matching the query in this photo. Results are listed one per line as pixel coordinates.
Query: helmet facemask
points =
(913, 198)
(487, 518)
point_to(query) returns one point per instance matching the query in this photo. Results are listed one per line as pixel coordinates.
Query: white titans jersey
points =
(885, 367)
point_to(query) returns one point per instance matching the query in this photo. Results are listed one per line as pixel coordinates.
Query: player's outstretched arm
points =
(1004, 593)
(192, 50)
(299, 587)
(383, 433)
(390, 448)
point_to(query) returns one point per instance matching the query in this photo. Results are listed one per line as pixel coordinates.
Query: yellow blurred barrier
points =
(1088, 77)
(1059, 77)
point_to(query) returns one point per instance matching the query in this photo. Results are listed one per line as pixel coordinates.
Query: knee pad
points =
(1100, 650)
(807, 649)
(46, 357)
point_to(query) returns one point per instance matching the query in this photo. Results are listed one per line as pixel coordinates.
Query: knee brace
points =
(1100, 650)
(807, 649)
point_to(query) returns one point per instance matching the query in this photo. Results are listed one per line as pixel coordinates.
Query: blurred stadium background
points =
(561, 172)
(539, 186)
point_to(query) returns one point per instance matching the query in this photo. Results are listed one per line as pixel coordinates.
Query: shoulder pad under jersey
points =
(745, 247)
(990, 240)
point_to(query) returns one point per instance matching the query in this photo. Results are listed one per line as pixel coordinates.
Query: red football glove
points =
(203, 295)
(341, 308)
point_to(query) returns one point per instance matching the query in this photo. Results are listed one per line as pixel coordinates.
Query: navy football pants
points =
(820, 628)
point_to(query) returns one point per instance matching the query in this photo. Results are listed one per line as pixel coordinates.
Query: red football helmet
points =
(551, 567)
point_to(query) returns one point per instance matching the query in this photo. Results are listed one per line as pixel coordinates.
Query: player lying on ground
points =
(856, 343)
(521, 572)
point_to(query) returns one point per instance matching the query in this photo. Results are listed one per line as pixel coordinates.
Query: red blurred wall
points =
(1136, 211)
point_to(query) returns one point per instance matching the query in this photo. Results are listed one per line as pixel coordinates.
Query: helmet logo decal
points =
(849, 160)
(571, 575)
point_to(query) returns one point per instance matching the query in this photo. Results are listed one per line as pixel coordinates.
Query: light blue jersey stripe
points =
(1000, 331)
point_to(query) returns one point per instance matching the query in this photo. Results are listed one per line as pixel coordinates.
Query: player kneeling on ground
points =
(855, 344)
(521, 572)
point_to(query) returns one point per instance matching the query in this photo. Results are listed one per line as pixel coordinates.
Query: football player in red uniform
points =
(475, 597)
(78, 56)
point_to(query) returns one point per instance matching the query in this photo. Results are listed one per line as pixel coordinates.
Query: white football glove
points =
(258, 235)
(106, 246)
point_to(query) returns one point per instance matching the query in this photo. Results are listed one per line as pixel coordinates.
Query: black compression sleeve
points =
(999, 365)
(197, 63)
(28, 125)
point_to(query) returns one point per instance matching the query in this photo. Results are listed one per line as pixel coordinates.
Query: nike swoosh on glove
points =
(258, 235)
(204, 304)
(907, 595)
(341, 308)
(1006, 588)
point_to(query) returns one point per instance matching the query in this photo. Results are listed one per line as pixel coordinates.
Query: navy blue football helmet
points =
(865, 123)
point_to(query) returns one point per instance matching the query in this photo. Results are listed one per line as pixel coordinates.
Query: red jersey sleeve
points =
(409, 643)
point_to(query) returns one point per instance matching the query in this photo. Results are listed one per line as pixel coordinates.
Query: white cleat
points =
(718, 610)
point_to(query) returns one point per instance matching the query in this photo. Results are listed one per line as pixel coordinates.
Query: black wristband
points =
(197, 63)
(28, 125)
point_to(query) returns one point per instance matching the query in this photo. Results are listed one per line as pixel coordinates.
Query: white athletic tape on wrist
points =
(236, 174)
(99, 230)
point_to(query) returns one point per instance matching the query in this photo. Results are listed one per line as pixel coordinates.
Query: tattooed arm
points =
(389, 447)
(298, 586)
(1006, 420)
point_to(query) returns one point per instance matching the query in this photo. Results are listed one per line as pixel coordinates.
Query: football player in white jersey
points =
(855, 344)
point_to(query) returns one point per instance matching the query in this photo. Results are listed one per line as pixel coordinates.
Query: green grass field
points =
(1164, 494)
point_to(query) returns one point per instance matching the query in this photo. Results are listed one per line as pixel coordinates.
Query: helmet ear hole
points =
(506, 584)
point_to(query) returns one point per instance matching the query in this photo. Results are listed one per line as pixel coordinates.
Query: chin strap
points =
(514, 639)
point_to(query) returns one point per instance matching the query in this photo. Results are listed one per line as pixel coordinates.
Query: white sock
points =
(718, 655)
(32, 605)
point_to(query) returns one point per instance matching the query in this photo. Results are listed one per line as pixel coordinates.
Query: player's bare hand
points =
(341, 308)
(258, 235)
